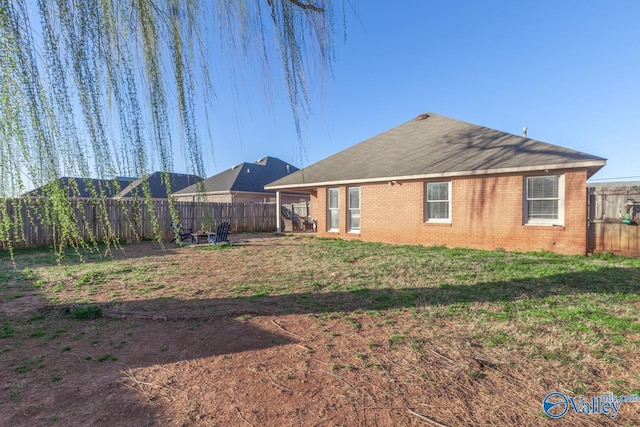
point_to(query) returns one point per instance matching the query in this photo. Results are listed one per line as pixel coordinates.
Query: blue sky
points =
(568, 70)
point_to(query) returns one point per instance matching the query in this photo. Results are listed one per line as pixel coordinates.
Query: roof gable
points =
(245, 177)
(434, 145)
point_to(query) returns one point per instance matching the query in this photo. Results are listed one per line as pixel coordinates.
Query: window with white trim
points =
(544, 200)
(354, 210)
(437, 206)
(333, 203)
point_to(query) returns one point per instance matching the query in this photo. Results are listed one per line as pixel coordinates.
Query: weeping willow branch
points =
(305, 6)
(87, 87)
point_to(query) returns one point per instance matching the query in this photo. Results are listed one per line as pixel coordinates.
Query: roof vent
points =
(422, 116)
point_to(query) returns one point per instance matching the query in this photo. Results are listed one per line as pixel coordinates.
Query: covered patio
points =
(294, 217)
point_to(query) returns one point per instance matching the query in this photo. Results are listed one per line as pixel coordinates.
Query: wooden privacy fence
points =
(127, 219)
(614, 215)
(614, 237)
(241, 216)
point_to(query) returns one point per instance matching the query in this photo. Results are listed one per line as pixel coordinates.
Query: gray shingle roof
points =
(245, 177)
(86, 187)
(436, 146)
(177, 181)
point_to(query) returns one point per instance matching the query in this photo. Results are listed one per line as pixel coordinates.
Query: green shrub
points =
(85, 312)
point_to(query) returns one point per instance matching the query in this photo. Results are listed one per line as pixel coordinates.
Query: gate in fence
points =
(614, 215)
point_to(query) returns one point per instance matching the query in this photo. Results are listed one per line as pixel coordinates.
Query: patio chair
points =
(222, 233)
(286, 225)
(307, 224)
(180, 233)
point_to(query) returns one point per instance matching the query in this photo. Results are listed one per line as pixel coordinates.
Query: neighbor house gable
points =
(249, 178)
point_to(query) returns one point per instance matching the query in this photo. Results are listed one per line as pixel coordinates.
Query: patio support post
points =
(278, 212)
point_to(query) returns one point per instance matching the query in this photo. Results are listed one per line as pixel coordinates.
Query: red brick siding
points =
(487, 213)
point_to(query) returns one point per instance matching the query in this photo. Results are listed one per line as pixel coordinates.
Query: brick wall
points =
(487, 213)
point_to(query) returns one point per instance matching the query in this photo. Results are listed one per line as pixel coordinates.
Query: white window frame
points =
(427, 201)
(330, 209)
(560, 198)
(351, 210)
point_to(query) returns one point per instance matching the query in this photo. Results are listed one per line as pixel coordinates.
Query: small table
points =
(201, 237)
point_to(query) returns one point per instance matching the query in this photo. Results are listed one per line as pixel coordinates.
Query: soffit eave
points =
(590, 164)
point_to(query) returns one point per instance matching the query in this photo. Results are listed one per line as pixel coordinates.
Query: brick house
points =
(439, 181)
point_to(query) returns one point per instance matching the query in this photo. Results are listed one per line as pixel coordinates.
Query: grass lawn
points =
(331, 332)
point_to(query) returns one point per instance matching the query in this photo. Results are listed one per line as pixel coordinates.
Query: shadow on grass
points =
(166, 330)
(617, 282)
(99, 381)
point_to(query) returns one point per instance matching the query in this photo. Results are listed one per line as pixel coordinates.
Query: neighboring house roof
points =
(177, 181)
(86, 187)
(432, 146)
(620, 184)
(245, 177)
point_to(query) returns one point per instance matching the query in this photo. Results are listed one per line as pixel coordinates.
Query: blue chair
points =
(181, 233)
(222, 233)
